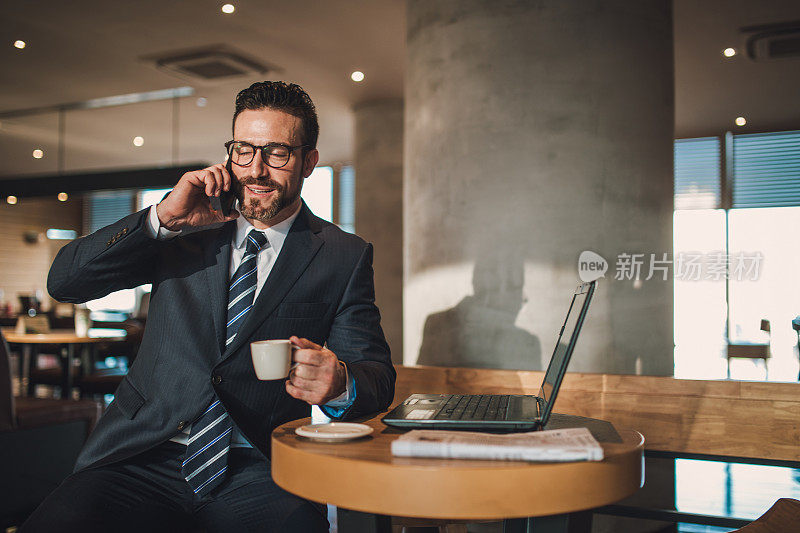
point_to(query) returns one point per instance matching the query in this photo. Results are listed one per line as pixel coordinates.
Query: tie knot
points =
(255, 241)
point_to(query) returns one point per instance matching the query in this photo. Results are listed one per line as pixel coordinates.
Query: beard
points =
(260, 209)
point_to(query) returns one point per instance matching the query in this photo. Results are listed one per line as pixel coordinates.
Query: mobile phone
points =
(224, 202)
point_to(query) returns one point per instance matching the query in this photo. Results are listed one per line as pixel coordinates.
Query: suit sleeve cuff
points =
(154, 229)
(336, 407)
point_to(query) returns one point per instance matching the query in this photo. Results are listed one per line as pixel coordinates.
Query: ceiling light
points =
(11, 200)
(228, 8)
(201, 102)
(740, 121)
(357, 76)
(138, 141)
(19, 44)
(62, 197)
(38, 154)
(729, 52)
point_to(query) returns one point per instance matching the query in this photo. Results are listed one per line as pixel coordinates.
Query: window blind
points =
(106, 207)
(697, 173)
(766, 169)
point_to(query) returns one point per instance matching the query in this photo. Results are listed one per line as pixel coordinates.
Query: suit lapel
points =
(218, 258)
(298, 250)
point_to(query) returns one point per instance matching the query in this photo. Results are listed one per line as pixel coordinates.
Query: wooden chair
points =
(100, 381)
(92, 381)
(39, 441)
(782, 517)
(50, 374)
(47, 374)
(752, 351)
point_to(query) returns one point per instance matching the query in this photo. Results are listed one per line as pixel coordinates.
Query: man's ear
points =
(309, 162)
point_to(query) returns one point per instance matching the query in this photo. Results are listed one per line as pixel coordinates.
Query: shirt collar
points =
(275, 234)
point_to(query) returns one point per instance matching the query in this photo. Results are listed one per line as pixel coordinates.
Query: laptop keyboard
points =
(474, 407)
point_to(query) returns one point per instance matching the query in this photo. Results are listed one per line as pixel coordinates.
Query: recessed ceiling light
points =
(729, 52)
(63, 197)
(357, 76)
(11, 200)
(201, 102)
(38, 154)
(228, 8)
(138, 141)
(19, 44)
(740, 121)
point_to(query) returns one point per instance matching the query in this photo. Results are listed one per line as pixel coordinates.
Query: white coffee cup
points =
(272, 359)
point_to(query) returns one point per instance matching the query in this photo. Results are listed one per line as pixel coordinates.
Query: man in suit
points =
(185, 443)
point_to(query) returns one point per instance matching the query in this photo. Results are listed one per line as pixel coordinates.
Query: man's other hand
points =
(318, 377)
(188, 205)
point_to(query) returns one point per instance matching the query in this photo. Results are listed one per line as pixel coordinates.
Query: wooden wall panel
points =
(24, 266)
(746, 419)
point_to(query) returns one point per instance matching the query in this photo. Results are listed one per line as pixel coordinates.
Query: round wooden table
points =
(66, 337)
(362, 475)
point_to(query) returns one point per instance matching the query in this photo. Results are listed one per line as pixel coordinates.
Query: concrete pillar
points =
(535, 131)
(379, 206)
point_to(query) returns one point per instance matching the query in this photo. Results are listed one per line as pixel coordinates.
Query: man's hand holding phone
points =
(188, 204)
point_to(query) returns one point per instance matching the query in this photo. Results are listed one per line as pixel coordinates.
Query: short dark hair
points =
(289, 98)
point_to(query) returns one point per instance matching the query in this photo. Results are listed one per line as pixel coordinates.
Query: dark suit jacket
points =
(320, 288)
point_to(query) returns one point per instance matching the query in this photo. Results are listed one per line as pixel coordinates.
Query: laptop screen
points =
(567, 337)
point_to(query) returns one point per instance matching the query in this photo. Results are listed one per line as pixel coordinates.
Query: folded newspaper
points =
(573, 444)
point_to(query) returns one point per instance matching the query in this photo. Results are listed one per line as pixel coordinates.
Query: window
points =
(700, 305)
(697, 172)
(102, 208)
(318, 192)
(766, 170)
(149, 197)
(737, 196)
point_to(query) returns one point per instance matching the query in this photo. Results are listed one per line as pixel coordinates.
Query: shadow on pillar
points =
(479, 332)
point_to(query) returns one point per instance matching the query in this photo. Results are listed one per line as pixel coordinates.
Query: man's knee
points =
(102, 501)
(64, 510)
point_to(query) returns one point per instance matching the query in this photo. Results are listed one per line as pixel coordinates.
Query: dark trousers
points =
(148, 493)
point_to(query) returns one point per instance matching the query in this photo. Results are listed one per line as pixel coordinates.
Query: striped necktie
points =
(207, 449)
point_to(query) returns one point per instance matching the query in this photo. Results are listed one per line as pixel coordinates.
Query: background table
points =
(66, 337)
(363, 476)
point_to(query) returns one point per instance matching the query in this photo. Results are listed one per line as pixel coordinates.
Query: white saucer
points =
(334, 432)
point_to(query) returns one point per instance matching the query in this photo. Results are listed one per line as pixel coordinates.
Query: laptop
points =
(496, 412)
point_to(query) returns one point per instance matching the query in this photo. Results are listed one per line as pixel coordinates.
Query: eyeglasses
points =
(275, 155)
